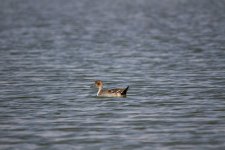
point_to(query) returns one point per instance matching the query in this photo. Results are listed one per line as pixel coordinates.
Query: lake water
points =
(170, 52)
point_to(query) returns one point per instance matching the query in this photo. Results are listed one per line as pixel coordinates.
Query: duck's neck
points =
(99, 90)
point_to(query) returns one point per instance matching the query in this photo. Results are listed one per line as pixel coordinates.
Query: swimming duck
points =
(110, 92)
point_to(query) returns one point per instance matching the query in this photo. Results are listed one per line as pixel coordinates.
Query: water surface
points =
(171, 53)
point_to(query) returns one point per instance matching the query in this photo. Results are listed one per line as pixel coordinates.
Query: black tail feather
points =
(125, 91)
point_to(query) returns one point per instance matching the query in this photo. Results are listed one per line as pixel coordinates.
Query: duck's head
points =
(99, 84)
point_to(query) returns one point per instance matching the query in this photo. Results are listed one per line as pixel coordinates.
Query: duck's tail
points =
(125, 91)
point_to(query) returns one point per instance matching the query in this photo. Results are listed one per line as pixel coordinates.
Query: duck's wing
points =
(121, 91)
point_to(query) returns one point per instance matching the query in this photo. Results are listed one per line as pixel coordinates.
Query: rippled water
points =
(170, 52)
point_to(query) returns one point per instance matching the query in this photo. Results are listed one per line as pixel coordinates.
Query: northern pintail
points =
(110, 92)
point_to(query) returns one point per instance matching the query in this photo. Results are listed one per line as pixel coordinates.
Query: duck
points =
(119, 92)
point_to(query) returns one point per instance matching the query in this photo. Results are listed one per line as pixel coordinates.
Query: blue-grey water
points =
(170, 52)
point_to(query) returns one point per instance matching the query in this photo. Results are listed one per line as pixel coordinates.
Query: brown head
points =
(99, 84)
